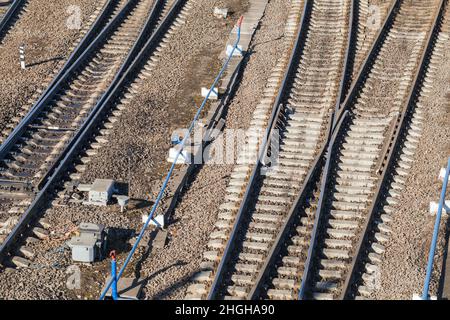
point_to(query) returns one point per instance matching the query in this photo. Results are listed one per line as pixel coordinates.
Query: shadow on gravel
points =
(265, 42)
(34, 64)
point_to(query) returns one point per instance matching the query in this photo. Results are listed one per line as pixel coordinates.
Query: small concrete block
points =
(101, 191)
(84, 187)
(27, 252)
(434, 206)
(127, 288)
(197, 288)
(378, 248)
(214, 95)
(10, 222)
(238, 52)
(220, 13)
(15, 210)
(44, 223)
(203, 276)
(31, 240)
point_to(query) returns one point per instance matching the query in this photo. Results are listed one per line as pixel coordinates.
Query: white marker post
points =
(22, 57)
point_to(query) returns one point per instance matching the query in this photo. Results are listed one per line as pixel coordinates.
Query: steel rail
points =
(264, 145)
(10, 13)
(310, 177)
(346, 74)
(394, 145)
(342, 115)
(82, 135)
(368, 61)
(152, 17)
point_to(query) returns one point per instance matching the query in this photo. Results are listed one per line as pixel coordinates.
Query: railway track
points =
(8, 12)
(301, 104)
(370, 130)
(63, 122)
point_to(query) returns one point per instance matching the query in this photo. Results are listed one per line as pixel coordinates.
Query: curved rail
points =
(339, 120)
(252, 269)
(135, 57)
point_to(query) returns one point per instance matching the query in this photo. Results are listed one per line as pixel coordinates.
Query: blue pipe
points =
(114, 294)
(426, 286)
(169, 174)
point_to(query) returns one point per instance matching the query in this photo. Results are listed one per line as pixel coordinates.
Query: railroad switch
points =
(214, 95)
(122, 201)
(90, 244)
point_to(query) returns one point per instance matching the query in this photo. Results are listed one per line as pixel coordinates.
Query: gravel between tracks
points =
(42, 28)
(403, 266)
(189, 62)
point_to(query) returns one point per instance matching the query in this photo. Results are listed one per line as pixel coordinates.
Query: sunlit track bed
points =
(8, 11)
